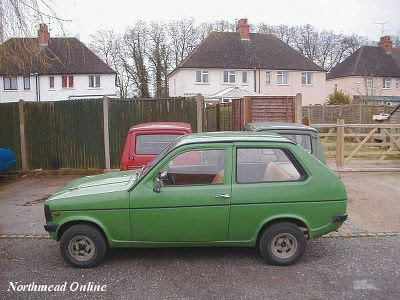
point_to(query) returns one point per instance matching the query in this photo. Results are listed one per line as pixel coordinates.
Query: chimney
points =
(43, 35)
(243, 29)
(386, 43)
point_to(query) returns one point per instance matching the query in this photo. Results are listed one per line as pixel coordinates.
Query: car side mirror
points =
(157, 184)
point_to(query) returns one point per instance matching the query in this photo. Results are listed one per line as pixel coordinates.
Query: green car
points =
(243, 189)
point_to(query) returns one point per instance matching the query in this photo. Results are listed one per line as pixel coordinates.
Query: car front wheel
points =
(83, 246)
(282, 244)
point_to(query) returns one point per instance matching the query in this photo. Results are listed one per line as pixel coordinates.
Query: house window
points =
(202, 76)
(283, 77)
(51, 82)
(268, 77)
(67, 82)
(369, 83)
(397, 83)
(386, 83)
(244, 77)
(229, 77)
(10, 83)
(306, 78)
(94, 81)
(27, 82)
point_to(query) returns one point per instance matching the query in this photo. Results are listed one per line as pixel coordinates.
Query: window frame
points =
(69, 81)
(10, 84)
(93, 79)
(226, 161)
(302, 172)
(27, 88)
(229, 74)
(369, 83)
(247, 77)
(306, 76)
(281, 73)
(386, 80)
(52, 83)
(268, 75)
(203, 74)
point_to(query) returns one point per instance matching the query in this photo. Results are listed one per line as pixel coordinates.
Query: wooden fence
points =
(347, 141)
(234, 115)
(352, 113)
(86, 133)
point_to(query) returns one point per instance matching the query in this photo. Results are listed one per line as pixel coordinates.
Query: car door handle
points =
(225, 196)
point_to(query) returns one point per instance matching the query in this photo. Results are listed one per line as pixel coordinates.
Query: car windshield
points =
(159, 157)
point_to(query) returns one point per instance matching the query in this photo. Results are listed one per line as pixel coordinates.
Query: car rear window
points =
(301, 139)
(153, 144)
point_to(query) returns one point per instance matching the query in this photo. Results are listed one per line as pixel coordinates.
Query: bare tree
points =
(159, 54)
(107, 45)
(134, 57)
(184, 37)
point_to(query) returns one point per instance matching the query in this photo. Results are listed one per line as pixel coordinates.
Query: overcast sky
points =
(347, 16)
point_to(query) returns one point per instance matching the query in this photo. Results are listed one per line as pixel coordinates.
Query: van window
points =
(152, 144)
(264, 165)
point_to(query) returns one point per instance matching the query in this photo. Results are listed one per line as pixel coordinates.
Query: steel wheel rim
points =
(284, 245)
(81, 248)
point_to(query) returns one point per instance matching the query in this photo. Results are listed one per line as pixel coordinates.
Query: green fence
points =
(70, 134)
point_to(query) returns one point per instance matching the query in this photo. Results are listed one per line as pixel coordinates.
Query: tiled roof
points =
(61, 56)
(368, 61)
(225, 50)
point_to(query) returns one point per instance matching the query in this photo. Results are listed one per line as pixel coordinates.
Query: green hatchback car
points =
(243, 189)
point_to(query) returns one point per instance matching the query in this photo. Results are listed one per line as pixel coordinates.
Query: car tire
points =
(282, 244)
(83, 246)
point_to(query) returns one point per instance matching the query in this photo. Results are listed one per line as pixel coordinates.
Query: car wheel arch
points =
(291, 219)
(68, 224)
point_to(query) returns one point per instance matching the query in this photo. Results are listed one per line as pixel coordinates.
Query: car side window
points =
(264, 165)
(198, 167)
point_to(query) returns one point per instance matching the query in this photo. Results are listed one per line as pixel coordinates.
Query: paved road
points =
(332, 268)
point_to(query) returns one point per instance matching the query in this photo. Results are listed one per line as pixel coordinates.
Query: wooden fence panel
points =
(69, 134)
(64, 134)
(124, 114)
(9, 129)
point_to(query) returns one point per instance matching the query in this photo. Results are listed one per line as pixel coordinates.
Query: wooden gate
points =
(264, 109)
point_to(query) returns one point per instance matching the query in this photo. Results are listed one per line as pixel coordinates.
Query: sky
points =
(345, 16)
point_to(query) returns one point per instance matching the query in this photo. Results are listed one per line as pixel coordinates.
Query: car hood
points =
(116, 181)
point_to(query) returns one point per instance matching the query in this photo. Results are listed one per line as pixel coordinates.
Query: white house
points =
(52, 69)
(254, 61)
(373, 72)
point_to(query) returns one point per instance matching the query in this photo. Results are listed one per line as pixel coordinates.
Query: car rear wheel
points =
(282, 244)
(83, 246)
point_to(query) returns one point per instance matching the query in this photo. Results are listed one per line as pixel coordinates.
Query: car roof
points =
(231, 136)
(260, 126)
(161, 126)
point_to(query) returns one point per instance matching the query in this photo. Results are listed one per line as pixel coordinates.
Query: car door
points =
(194, 201)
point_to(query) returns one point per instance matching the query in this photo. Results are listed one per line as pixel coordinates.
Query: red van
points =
(145, 141)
